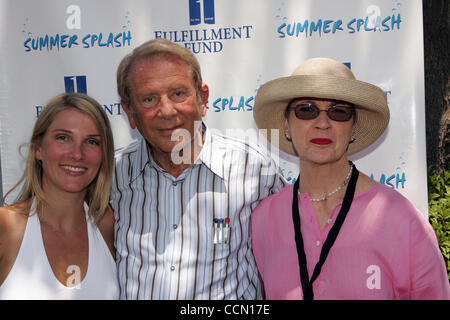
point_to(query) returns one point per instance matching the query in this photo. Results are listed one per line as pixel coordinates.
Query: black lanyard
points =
(307, 284)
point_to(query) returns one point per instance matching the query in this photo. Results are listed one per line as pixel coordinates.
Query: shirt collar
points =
(212, 153)
(143, 157)
(211, 156)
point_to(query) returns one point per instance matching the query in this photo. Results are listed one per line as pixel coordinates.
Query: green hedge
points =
(439, 210)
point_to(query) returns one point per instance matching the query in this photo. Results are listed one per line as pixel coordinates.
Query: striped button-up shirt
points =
(189, 237)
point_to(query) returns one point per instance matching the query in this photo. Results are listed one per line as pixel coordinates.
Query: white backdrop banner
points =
(48, 47)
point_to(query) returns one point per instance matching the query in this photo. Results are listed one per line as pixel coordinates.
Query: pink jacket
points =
(386, 249)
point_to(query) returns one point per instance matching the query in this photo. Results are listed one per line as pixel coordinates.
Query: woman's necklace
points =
(53, 229)
(325, 197)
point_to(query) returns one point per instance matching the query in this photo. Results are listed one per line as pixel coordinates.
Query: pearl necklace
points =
(325, 197)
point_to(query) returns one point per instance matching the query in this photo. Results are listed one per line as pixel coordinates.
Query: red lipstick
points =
(321, 141)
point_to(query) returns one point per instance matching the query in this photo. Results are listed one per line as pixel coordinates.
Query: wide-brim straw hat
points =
(326, 79)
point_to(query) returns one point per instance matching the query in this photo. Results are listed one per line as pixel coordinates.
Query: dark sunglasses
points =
(309, 111)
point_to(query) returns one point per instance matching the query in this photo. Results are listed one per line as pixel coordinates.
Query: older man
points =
(182, 196)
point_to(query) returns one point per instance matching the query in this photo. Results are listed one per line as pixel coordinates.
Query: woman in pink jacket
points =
(336, 233)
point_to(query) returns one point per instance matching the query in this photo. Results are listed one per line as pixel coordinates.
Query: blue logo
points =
(75, 84)
(204, 39)
(195, 12)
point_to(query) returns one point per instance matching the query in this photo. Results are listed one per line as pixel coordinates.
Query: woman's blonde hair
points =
(97, 195)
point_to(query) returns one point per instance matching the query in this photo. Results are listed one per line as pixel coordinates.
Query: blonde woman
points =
(56, 239)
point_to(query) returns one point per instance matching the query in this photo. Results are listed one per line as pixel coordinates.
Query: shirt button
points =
(172, 268)
(175, 226)
(317, 243)
(329, 221)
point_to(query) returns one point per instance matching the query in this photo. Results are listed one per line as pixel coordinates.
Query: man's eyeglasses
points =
(308, 111)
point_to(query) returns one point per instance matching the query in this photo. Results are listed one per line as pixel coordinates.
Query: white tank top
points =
(32, 277)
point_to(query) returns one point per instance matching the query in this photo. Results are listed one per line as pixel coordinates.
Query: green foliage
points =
(439, 210)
